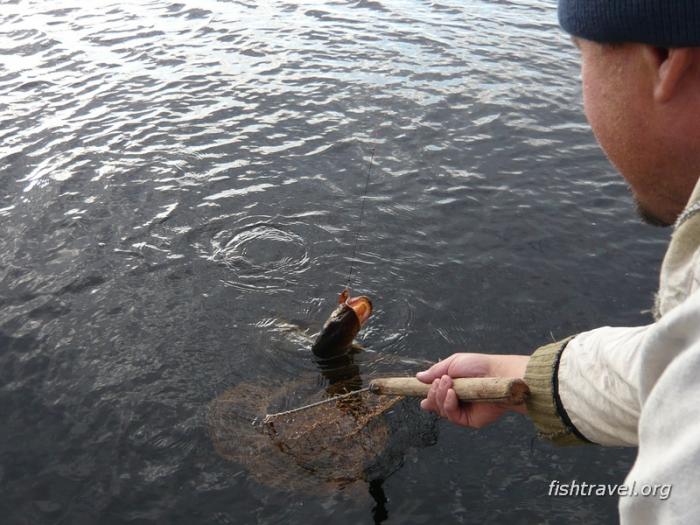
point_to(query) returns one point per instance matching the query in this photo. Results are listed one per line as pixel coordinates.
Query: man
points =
(632, 385)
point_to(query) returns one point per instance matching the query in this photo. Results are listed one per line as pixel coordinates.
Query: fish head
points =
(342, 326)
(362, 307)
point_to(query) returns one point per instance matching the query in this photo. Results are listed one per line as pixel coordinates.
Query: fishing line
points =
(362, 214)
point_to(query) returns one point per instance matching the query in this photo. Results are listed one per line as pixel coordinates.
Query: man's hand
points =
(442, 399)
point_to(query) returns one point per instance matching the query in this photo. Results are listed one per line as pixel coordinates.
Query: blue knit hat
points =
(663, 23)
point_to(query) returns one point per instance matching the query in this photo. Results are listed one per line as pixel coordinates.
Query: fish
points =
(338, 333)
(334, 348)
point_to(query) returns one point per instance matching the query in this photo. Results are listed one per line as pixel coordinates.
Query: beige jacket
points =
(636, 386)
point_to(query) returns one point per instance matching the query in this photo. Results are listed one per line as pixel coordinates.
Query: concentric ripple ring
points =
(262, 256)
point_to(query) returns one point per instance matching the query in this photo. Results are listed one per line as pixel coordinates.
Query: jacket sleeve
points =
(627, 386)
(669, 423)
(586, 389)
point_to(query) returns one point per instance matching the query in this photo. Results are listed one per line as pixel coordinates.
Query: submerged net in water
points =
(357, 437)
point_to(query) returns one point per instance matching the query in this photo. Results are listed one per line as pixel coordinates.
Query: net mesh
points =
(360, 437)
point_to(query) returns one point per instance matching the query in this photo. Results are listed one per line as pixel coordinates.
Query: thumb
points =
(438, 370)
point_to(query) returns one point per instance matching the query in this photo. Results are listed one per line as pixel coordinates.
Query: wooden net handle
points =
(475, 389)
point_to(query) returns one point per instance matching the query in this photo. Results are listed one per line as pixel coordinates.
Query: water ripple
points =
(261, 256)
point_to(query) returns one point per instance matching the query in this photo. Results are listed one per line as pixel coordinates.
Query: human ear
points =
(671, 66)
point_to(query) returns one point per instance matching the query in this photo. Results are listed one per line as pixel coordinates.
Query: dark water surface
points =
(176, 177)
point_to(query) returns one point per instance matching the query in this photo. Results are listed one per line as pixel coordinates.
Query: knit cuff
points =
(543, 405)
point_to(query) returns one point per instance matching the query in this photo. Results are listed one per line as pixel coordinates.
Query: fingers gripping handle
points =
(475, 389)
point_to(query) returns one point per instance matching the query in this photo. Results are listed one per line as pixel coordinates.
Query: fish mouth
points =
(362, 307)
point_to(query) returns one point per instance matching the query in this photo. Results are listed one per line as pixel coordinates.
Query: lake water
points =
(178, 178)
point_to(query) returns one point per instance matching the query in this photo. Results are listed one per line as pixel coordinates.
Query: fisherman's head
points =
(641, 88)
